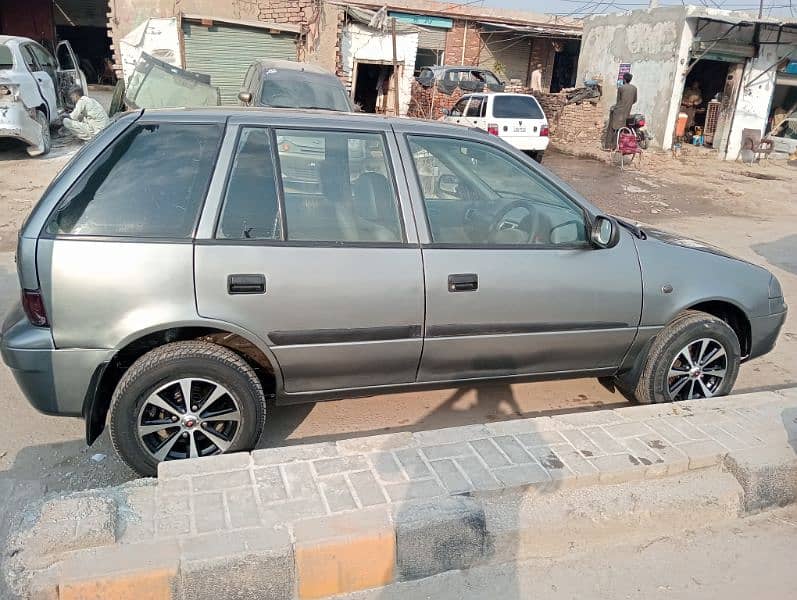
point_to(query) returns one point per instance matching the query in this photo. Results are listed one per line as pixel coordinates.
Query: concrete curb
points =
(300, 543)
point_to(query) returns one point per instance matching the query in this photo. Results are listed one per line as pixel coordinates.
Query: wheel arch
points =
(721, 308)
(107, 375)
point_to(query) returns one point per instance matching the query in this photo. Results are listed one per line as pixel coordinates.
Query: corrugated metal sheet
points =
(433, 38)
(506, 54)
(81, 13)
(225, 52)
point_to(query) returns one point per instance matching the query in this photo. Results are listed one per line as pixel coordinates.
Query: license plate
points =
(518, 130)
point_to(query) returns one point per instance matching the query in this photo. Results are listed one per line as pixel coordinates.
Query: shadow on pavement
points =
(782, 253)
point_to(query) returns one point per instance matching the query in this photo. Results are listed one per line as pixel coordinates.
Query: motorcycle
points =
(636, 123)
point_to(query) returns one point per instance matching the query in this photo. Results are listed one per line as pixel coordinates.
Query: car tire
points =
(148, 416)
(44, 123)
(643, 143)
(702, 347)
(537, 155)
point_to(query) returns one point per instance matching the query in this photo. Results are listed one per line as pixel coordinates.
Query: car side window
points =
(149, 183)
(478, 195)
(45, 59)
(459, 108)
(251, 207)
(337, 187)
(30, 60)
(476, 107)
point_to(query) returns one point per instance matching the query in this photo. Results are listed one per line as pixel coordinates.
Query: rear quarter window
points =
(516, 107)
(149, 183)
(6, 58)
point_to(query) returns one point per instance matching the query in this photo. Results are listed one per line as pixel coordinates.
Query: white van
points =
(517, 118)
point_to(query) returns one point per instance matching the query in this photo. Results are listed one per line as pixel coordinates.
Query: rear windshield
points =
(516, 107)
(304, 90)
(150, 183)
(6, 59)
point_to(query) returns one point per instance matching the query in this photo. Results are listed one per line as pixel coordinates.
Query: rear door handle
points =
(463, 282)
(246, 284)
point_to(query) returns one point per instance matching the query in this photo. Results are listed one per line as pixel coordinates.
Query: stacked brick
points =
(467, 35)
(297, 12)
(580, 124)
(425, 103)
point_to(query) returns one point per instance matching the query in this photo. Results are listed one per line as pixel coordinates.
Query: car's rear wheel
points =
(46, 145)
(536, 155)
(185, 400)
(696, 356)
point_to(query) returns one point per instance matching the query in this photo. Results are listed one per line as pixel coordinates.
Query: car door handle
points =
(463, 282)
(246, 284)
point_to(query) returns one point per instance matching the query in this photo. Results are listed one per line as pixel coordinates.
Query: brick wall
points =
(465, 34)
(573, 123)
(287, 11)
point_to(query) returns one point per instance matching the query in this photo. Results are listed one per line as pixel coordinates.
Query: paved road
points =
(753, 558)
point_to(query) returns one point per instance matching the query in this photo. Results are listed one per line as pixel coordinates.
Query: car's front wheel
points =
(185, 400)
(696, 356)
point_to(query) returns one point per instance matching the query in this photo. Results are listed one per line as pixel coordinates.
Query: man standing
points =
(619, 113)
(88, 117)
(536, 78)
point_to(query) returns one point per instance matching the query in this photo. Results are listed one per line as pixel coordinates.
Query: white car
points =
(516, 118)
(33, 86)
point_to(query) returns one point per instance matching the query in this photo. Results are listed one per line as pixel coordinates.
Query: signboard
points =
(624, 68)
(425, 20)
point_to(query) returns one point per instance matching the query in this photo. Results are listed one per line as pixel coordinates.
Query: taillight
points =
(33, 305)
(641, 122)
(544, 131)
(492, 129)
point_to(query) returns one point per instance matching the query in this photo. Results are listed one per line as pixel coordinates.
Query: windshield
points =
(301, 90)
(156, 84)
(516, 107)
(6, 59)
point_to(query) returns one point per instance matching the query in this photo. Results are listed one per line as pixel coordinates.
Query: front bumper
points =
(764, 332)
(55, 381)
(16, 122)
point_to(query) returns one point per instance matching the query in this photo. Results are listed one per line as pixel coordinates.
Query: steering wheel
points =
(501, 224)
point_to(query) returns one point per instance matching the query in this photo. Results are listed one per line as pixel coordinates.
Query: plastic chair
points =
(627, 146)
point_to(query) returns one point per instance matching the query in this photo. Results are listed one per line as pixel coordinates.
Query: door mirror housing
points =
(245, 97)
(605, 232)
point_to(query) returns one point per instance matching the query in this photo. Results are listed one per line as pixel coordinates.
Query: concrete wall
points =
(359, 42)
(656, 43)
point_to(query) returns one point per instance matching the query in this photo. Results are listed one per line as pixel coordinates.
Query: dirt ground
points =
(749, 211)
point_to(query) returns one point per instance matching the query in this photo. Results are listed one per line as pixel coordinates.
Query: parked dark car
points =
(287, 84)
(468, 79)
(188, 264)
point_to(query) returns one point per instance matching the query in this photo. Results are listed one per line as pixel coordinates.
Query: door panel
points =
(513, 287)
(535, 311)
(342, 306)
(45, 78)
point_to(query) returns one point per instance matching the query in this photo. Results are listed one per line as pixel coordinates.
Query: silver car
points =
(188, 264)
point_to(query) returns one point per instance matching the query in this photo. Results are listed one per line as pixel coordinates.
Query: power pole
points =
(395, 68)
(761, 9)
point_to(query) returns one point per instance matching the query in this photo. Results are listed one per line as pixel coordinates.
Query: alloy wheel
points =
(698, 370)
(188, 418)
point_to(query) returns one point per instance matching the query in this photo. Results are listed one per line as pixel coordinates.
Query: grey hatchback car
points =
(188, 264)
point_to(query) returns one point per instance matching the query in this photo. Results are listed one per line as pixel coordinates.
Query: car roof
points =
(310, 117)
(290, 65)
(4, 39)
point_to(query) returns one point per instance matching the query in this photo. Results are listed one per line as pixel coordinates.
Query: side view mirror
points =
(445, 112)
(447, 184)
(605, 232)
(245, 97)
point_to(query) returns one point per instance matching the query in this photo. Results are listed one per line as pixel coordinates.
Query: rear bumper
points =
(16, 122)
(535, 144)
(54, 381)
(764, 333)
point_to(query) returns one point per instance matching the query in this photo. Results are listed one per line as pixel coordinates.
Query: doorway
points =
(373, 84)
(708, 100)
(565, 65)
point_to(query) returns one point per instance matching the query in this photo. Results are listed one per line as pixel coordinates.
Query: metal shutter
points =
(433, 38)
(225, 52)
(511, 51)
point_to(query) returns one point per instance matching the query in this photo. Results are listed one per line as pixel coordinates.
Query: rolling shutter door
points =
(433, 38)
(225, 52)
(510, 51)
